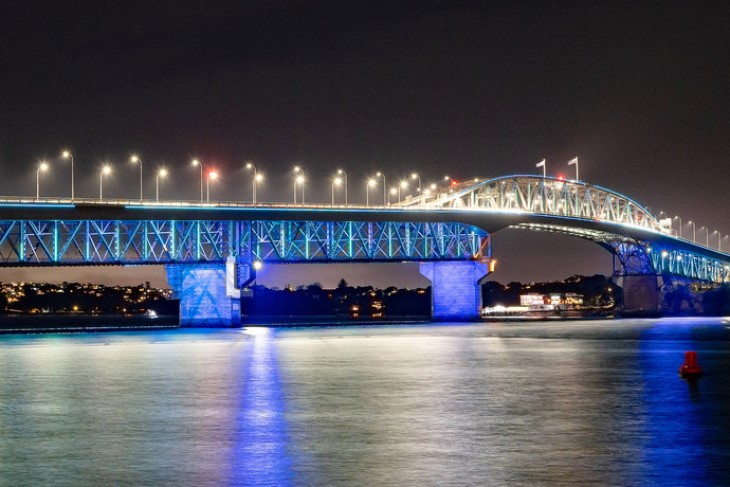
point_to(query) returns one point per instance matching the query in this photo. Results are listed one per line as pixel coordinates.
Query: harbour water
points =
(571, 403)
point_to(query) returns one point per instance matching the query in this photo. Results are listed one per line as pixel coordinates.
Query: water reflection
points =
(594, 403)
(260, 455)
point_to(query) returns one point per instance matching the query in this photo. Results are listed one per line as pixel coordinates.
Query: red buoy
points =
(690, 367)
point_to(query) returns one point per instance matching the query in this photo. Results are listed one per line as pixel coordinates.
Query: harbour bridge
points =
(212, 250)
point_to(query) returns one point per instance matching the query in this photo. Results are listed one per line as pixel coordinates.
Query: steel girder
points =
(90, 242)
(543, 196)
(633, 256)
(690, 265)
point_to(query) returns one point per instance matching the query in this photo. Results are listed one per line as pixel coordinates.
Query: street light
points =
(343, 173)
(162, 173)
(297, 174)
(371, 183)
(694, 231)
(42, 167)
(105, 170)
(213, 174)
(336, 181)
(719, 236)
(721, 239)
(298, 180)
(403, 185)
(136, 160)
(416, 176)
(256, 178)
(385, 198)
(196, 162)
(450, 181)
(707, 235)
(680, 225)
(67, 155)
(393, 192)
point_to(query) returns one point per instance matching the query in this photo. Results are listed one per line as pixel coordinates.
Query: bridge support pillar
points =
(456, 293)
(642, 294)
(207, 293)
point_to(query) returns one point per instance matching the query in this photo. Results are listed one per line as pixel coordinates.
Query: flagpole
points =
(542, 165)
(574, 162)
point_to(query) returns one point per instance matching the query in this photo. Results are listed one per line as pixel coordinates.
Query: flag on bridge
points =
(541, 163)
(574, 162)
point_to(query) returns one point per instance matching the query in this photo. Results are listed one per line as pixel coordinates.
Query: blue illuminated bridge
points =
(211, 250)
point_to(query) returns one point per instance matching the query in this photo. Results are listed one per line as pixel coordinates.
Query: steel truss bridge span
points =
(451, 224)
(133, 242)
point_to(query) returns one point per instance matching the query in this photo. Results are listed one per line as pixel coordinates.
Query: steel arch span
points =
(543, 196)
(640, 242)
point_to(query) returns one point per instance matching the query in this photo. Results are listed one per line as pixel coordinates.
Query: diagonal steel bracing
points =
(57, 242)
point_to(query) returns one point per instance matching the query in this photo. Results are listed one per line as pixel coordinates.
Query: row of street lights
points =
(720, 237)
(106, 169)
(339, 179)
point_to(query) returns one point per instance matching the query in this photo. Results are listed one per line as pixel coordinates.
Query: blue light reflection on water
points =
(260, 455)
(686, 419)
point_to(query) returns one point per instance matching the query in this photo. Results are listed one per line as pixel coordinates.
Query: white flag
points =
(573, 161)
(540, 164)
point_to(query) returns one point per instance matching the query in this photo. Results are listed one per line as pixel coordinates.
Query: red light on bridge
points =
(561, 177)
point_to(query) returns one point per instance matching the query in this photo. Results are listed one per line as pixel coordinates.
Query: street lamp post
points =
(719, 236)
(250, 166)
(196, 162)
(694, 231)
(67, 155)
(680, 225)
(299, 180)
(707, 235)
(402, 185)
(343, 173)
(160, 174)
(385, 190)
(105, 170)
(720, 241)
(42, 167)
(211, 175)
(136, 160)
(416, 176)
(393, 192)
(370, 184)
(336, 181)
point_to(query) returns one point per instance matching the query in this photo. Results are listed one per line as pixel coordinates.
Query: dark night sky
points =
(638, 90)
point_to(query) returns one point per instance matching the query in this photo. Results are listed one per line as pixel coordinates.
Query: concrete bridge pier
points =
(456, 291)
(208, 292)
(642, 294)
